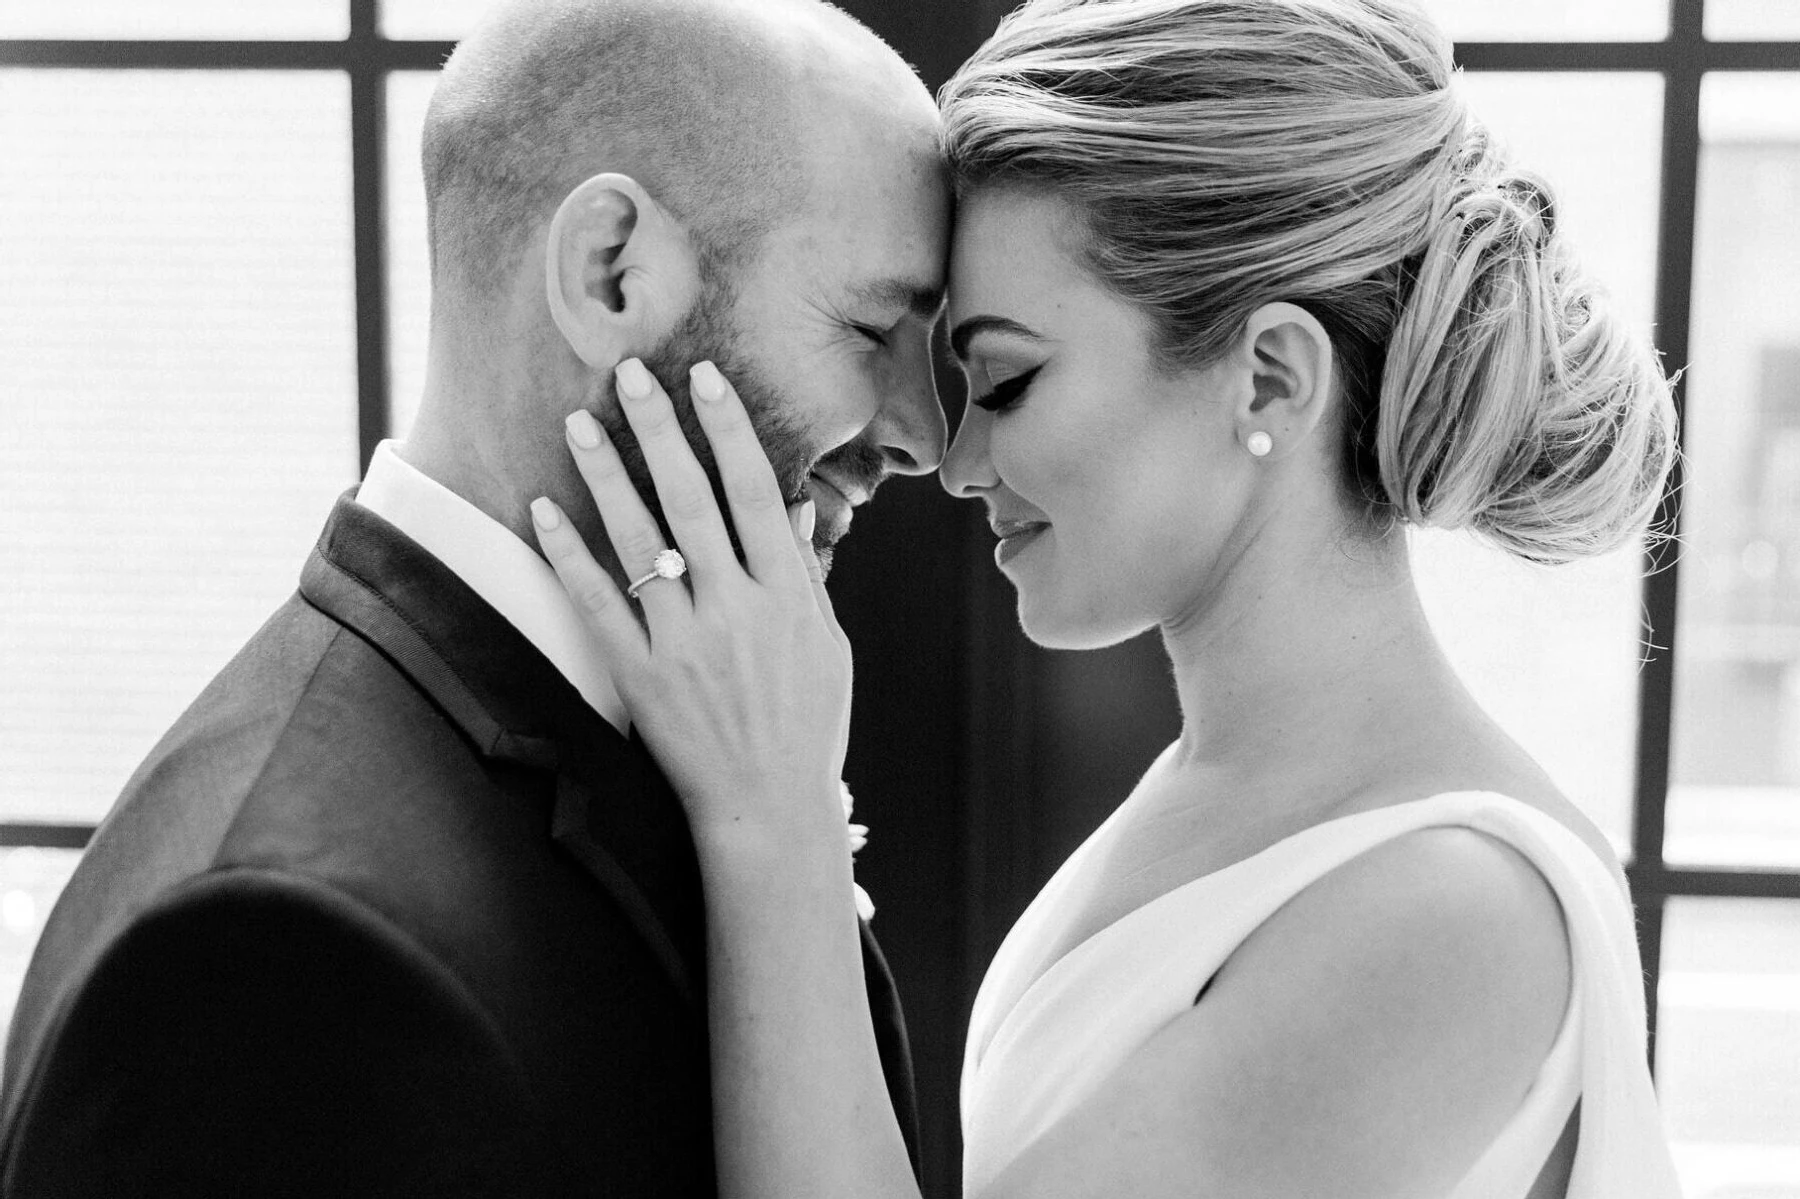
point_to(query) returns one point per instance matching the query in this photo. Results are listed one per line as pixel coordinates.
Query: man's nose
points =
(910, 429)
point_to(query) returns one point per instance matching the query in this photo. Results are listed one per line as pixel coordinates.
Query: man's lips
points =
(833, 504)
(854, 494)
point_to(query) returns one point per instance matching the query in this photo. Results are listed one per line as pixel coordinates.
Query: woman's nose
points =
(967, 469)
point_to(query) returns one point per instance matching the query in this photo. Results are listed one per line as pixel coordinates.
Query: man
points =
(399, 907)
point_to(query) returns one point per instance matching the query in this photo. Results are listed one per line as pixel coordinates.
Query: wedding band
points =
(668, 565)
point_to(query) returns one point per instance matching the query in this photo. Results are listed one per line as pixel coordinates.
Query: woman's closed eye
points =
(1004, 395)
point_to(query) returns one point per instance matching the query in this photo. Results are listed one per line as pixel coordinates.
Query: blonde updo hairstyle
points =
(1225, 154)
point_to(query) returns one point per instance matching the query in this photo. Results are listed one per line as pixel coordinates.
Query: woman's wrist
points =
(776, 834)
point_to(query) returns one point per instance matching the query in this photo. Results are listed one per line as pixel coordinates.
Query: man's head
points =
(754, 182)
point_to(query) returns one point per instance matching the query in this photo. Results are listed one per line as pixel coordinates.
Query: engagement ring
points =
(668, 565)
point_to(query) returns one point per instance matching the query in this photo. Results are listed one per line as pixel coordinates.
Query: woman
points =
(1241, 289)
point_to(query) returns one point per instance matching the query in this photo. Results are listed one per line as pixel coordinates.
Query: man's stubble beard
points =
(708, 332)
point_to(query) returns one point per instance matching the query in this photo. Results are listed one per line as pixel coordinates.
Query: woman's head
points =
(1218, 156)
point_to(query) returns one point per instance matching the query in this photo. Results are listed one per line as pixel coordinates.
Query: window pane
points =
(158, 19)
(1598, 139)
(1752, 20)
(1553, 653)
(1552, 20)
(1735, 798)
(409, 261)
(30, 881)
(1728, 1045)
(431, 20)
(177, 359)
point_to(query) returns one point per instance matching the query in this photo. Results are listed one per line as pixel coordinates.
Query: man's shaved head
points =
(751, 182)
(701, 101)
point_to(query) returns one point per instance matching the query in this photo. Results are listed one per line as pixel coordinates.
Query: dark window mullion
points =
(368, 123)
(44, 835)
(222, 55)
(1716, 884)
(1684, 49)
(1674, 293)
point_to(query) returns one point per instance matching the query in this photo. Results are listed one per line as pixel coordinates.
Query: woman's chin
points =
(1049, 627)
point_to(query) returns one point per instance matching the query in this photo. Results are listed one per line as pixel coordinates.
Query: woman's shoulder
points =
(1496, 783)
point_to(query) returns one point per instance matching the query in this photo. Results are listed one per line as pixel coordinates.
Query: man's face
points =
(827, 333)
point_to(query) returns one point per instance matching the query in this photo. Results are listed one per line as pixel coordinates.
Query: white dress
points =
(1044, 1035)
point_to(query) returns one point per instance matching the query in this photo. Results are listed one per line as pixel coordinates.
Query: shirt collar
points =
(504, 571)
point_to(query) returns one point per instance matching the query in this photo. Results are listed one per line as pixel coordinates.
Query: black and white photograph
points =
(900, 599)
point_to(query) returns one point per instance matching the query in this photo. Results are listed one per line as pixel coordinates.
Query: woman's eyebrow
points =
(966, 330)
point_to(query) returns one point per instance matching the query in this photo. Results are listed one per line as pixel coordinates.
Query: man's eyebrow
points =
(920, 299)
(963, 333)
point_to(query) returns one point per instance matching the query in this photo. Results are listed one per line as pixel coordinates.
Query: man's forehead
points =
(920, 297)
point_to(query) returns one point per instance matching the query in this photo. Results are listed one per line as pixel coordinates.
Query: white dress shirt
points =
(514, 580)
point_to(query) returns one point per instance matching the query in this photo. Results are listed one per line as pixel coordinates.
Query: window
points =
(1693, 108)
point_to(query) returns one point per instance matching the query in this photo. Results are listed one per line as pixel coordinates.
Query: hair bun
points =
(1515, 401)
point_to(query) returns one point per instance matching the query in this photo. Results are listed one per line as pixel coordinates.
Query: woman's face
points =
(1115, 486)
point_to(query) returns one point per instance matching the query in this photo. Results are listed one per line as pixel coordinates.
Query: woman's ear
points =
(619, 272)
(1287, 355)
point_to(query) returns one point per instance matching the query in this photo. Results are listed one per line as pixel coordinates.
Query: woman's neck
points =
(1319, 663)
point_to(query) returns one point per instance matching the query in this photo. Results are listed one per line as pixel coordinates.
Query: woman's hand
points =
(740, 685)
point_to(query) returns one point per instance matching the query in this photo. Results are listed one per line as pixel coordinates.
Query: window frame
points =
(1683, 60)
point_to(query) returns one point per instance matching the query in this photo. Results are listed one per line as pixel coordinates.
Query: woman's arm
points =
(800, 1102)
(740, 688)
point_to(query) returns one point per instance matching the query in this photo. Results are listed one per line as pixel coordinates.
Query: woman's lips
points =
(1014, 537)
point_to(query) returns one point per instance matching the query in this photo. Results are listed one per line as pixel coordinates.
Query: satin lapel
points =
(614, 813)
(891, 1041)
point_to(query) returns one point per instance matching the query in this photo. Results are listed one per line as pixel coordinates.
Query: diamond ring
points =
(668, 565)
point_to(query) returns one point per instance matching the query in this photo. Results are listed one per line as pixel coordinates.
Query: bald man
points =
(399, 906)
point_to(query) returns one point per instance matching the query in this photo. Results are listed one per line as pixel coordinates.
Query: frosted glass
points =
(1598, 139)
(1752, 20)
(1552, 20)
(179, 406)
(185, 19)
(408, 253)
(1735, 794)
(1553, 653)
(431, 20)
(1728, 1045)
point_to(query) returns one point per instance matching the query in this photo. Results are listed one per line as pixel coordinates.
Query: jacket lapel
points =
(614, 812)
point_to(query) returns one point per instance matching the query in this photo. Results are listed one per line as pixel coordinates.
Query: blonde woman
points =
(1242, 290)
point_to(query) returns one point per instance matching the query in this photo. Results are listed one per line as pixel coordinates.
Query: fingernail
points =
(809, 514)
(707, 382)
(545, 514)
(584, 430)
(634, 380)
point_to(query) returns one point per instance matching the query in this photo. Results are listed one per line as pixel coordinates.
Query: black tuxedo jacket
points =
(390, 911)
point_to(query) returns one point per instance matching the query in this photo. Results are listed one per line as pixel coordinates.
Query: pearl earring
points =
(1259, 444)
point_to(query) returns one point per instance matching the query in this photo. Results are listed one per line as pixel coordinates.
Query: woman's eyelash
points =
(873, 334)
(1005, 395)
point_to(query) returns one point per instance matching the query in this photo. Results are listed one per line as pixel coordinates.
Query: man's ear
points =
(619, 272)
(1287, 356)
